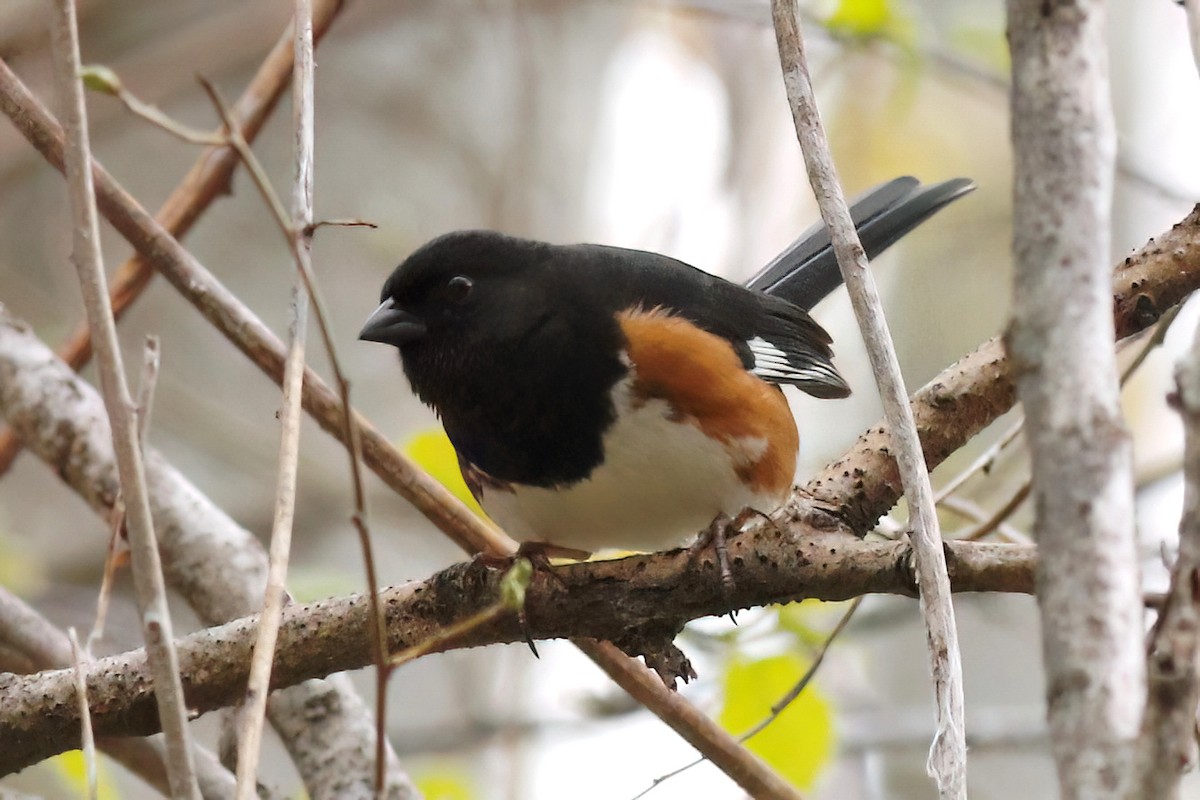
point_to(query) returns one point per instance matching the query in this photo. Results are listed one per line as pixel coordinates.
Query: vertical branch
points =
(78, 663)
(1168, 744)
(147, 569)
(145, 402)
(948, 753)
(254, 710)
(1060, 341)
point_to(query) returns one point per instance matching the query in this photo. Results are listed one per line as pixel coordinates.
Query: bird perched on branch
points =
(603, 398)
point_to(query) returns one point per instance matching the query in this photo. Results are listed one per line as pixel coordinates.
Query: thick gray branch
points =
(1059, 341)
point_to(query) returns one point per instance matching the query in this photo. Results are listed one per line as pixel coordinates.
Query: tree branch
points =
(29, 633)
(947, 762)
(1168, 742)
(599, 600)
(1089, 591)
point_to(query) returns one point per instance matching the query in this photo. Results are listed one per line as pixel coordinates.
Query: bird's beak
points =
(392, 325)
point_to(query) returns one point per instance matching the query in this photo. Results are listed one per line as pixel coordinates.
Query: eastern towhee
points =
(601, 398)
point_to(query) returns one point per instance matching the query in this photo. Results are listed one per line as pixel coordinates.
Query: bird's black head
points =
(457, 302)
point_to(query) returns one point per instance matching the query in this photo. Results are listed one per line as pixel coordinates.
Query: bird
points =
(600, 398)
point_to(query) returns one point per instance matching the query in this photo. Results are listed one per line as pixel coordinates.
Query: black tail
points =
(805, 272)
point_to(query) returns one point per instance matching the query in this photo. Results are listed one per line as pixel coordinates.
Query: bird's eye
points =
(458, 288)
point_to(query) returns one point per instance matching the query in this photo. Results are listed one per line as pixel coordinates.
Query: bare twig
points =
(255, 705)
(1001, 514)
(948, 753)
(312, 228)
(747, 769)
(78, 661)
(351, 424)
(208, 179)
(1059, 342)
(781, 705)
(984, 463)
(103, 79)
(151, 357)
(967, 509)
(511, 600)
(147, 570)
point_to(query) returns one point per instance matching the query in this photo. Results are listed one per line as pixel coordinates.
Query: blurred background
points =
(656, 124)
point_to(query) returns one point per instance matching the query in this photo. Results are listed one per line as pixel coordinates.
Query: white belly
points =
(662, 481)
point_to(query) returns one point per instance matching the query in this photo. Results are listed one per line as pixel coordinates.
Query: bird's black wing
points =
(806, 271)
(775, 340)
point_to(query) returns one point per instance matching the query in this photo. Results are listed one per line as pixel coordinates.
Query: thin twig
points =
(103, 79)
(151, 357)
(749, 771)
(948, 753)
(511, 601)
(780, 705)
(78, 662)
(984, 463)
(147, 569)
(312, 228)
(968, 510)
(1001, 514)
(254, 708)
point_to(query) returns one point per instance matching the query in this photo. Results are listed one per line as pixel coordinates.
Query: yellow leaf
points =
(72, 769)
(800, 741)
(860, 18)
(444, 784)
(432, 450)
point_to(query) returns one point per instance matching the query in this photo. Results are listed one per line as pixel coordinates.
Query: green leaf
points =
(432, 450)
(800, 741)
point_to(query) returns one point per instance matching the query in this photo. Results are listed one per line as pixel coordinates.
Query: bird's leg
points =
(714, 535)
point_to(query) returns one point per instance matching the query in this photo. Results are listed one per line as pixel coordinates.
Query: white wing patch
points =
(771, 364)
